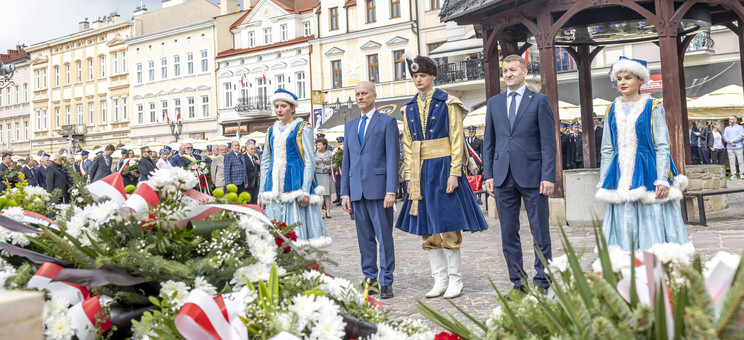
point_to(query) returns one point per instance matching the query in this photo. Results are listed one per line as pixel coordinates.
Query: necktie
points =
(362, 126)
(512, 108)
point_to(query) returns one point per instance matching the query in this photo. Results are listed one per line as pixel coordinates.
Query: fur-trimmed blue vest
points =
(295, 163)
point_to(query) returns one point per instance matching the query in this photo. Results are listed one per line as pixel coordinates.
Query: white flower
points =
(492, 320)
(326, 307)
(6, 271)
(202, 284)
(76, 225)
(264, 253)
(39, 191)
(175, 291)
(252, 273)
(328, 328)
(252, 224)
(19, 239)
(674, 253)
(101, 213)
(56, 306)
(304, 307)
(58, 327)
(384, 332)
(182, 178)
(15, 213)
(728, 259)
(309, 275)
(558, 264)
(619, 259)
(286, 322)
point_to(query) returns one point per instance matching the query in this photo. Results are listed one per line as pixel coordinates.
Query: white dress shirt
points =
(369, 119)
(518, 99)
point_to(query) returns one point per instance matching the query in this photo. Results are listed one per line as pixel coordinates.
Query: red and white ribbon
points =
(43, 280)
(111, 186)
(201, 212)
(142, 199)
(83, 316)
(35, 218)
(648, 275)
(202, 318)
(199, 196)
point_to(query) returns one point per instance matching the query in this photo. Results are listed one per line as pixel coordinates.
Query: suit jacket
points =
(251, 171)
(598, 144)
(3, 167)
(86, 164)
(218, 171)
(30, 175)
(41, 176)
(235, 168)
(145, 166)
(528, 148)
(56, 179)
(99, 169)
(477, 145)
(370, 171)
(184, 162)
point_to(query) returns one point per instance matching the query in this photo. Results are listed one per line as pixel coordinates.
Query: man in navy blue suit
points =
(369, 177)
(519, 163)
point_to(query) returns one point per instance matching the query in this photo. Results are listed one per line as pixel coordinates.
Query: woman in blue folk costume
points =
(288, 190)
(439, 203)
(638, 179)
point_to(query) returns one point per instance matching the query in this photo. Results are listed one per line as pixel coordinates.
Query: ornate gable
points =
(334, 52)
(371, 45)
(397, 40)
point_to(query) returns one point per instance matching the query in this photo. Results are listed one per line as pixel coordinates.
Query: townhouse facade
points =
(14, 105)
(173, 72)
(74, 81)
(271, 50)
(362, 40)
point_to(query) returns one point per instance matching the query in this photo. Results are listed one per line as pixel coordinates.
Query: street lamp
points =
(6, 75)
(176, 129)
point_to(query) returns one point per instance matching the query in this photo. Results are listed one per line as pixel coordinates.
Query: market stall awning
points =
(718, 104)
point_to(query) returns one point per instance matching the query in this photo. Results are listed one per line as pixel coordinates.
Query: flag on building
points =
(243, 79)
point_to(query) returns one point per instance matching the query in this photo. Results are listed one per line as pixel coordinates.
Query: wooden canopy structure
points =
(506, 26)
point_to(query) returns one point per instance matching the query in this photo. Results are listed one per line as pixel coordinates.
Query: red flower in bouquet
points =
(279, 241)
(447, 336)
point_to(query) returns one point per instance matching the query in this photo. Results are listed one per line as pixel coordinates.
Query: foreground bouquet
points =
(159, 262)
(662, 293)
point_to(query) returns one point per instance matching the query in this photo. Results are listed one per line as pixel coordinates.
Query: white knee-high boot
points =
(438, 272)
(454, 289)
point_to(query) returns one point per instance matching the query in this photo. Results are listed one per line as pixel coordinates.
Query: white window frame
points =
(79, 71)
(140, 113)
(251, 39)
(115, 59)
(205, 106)
(164, 109)
(190, 107)
(176, 65)
(138, 68)
(115, 106)
(300, 85)
(56, 75)
(124, 108)
(80, 120)
(123, 61)
(176, 107)
(152, 112)
(267, 36)
(103, 66)
(307, 28)
(228, 95)
(204, 60)
(44, 118)
(163, 68)
(150, 70)
(92, 113)
(104, 106)
(283, 32)
(189, 63)
(68, 74)
(38, 120)
(91, 70)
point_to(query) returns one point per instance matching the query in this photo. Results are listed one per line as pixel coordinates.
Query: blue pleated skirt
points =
(647, 224)
(311, 221)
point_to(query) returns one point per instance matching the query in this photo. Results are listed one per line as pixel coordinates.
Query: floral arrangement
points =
(201, 169)
(12, 174)
(661, 293)
(131, 170)
(159, 262)
(29, 198)
(338, 157)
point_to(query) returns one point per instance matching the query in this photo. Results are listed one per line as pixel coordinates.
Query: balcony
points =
(253, 104)
(74, 130)
(468, 70)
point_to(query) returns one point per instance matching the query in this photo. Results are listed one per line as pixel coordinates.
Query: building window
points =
(103, 111)
(152, 112)
(300, 90)
(92, 114)
(80, 114)
(163, 110)
(44, 117)
(400, 65)
(56, 76)
(79, 71)
(151, 70)
(18, 94)
(371, 9)
(25, 92)
(189, 63)
(280, 82)
(115, 103)
(18, 131)
(204, 61)
(123, 61)
(433, 46)
(38, 79)
(38, 120)
(434, 4)
(190, 106)
(267, 36)
(25, 131)
(67, 70)
(139, 73)
(10, 135)
(140, 114)
(306, 28)
(177, 107)
(283, 32)
(103, 66)
(176, 65)
(373, 68)
(336, 67)
(44, 78)
(56, 118)
(116, 63)
(8, 96)
(251, 39)
(563, 61)
(228, 95)
(205, 106)
(164, 68)
(68, 110)
(333, 13)
(90, 69)
(262, 90)
(124, 108)
(394, 9)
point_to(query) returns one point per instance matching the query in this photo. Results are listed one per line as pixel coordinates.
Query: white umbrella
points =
(718, 104)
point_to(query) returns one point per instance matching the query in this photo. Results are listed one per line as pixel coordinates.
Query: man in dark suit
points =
(41, 171)
(475, 142)
(369, 177)
(519, 163)
(564, 146)
(3, 167)
(28, 172)
(57, 179)
(251, 172)
(694, 142)
(187, 156)
(235, 168)
(704, 144)
(101, 166)
(577, 156)
(145, 166)
(598, 131)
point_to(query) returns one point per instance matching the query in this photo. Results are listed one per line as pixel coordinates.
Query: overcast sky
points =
(33, 21)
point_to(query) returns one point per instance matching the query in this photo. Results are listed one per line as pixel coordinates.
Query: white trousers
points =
(733, 156)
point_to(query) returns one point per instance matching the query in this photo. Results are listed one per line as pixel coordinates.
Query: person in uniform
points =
(598, 131)
(576, 157)
(439, 204)
(564, 146)
(475, 153)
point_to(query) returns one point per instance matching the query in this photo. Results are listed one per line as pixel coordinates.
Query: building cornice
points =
(265, 48)
(172, 31)
(365, 32)
(77, 35)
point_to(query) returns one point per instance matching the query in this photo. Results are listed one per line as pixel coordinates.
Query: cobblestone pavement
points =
(482, 257)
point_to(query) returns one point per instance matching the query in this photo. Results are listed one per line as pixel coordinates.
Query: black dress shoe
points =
(337, 200)
(386, 292)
